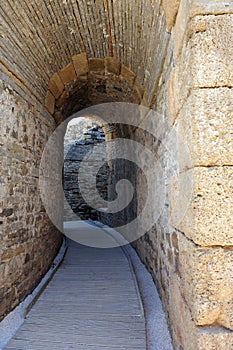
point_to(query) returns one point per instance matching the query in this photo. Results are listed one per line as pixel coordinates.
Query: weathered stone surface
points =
(210, 273)
(28, 239)
(145, 102)
(215, 7)
(211, 51)
(96, 65)
(180, 28)
(172, 108)
(171, 8)
(209, 207)
(49, 102)
(55, 85)
(183, 331)
(80, 140)
(210, 338)
(205, 60)
(127, 74)
(60, 101)
(80, 63)
(112, 65)
(67, 74)
(205, 126)
(188, 9)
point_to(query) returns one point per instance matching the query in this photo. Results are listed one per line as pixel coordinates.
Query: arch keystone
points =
(112, 65)
(80, 63)
(56, 85)
(127, 74)
(67, 74)
(97, 65)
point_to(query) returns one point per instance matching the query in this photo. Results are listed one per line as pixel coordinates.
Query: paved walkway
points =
(91, 303)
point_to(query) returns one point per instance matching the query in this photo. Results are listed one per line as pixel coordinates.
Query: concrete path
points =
(91, 303)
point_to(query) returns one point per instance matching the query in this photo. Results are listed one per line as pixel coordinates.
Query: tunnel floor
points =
(92, 302)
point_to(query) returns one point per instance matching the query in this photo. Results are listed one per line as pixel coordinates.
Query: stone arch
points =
(120, 80)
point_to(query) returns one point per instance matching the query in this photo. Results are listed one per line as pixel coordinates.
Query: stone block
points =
(188, 9)
(180, 27)
(183, 330)
(211, 51)
(215, 7)
(97, 65)
(56, 85)
(112, 65)
(209, 338)
(62, 99)
(80, 63)
(207, 283)
(171, 8)
(172, 108)
(67, 74)
(201, 202)
(206, 59)
(127, 74)
(205, 126)
(49, 102)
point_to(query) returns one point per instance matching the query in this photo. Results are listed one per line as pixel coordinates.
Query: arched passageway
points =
(82, 135)
(173, 57)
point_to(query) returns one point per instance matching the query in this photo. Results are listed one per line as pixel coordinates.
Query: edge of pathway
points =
(12, 322)
(157, 331)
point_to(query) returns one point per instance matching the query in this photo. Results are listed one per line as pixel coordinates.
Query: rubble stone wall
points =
(77, 146)
(28, 240)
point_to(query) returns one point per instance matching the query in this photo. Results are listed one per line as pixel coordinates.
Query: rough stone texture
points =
(88, 135)
(80, 63)
(128, 75)
(99, 87)
(210, 205)
(67, 74)
(210, 303)
(211, 50)
(205, 60)
(206, 128)
(214, 338)
(29, 241)
(188, 9)
(49, 102)
(121, 29)
(96, 65)
(215, 7)
(171, 8)
(55, 85)
(112, 65)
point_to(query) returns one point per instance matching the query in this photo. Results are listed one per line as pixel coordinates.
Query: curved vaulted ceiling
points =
(40, 37)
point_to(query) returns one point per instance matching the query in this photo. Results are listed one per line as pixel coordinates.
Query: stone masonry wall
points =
(29, 241)
(190, 258)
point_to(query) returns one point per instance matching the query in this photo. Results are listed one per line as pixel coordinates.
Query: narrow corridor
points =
(92, 302)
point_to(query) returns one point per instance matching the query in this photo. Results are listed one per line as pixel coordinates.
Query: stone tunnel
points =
(170, 57)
